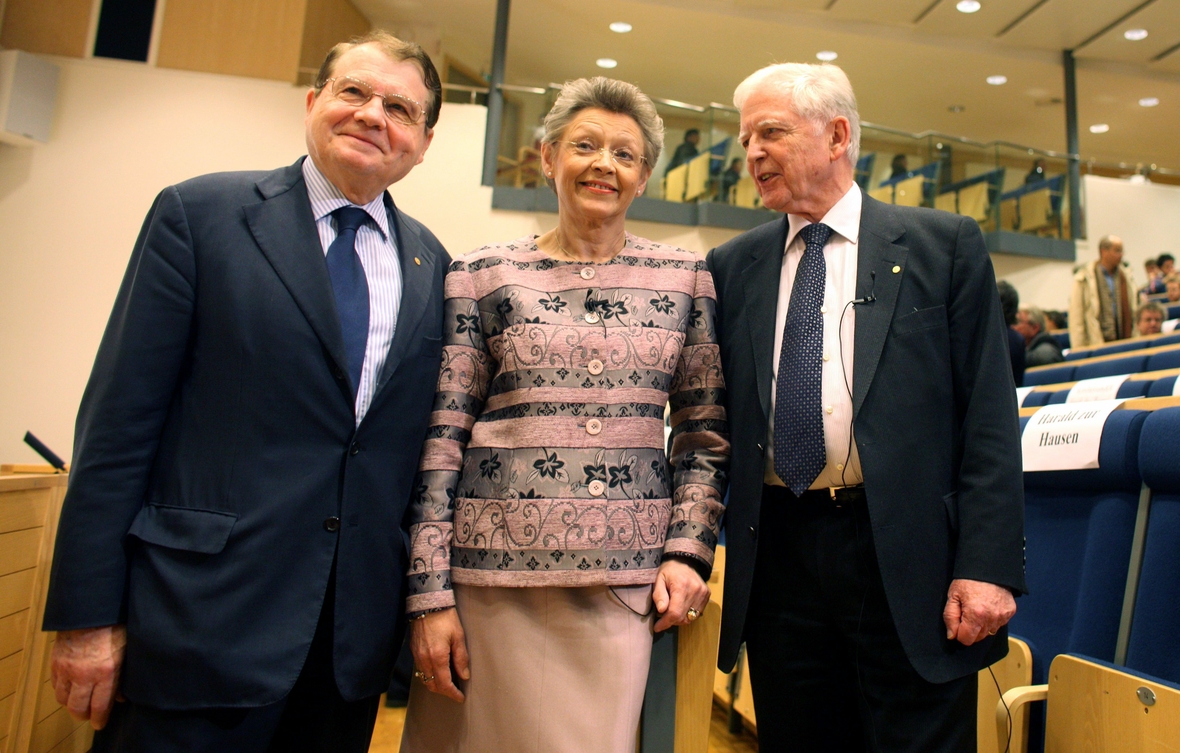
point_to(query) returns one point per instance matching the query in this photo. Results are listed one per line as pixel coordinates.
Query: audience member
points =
(729, 179)
(1149, 319)
(1010, 304)
(1037, 173)
(1155, 279)
(1100, 304)
(1172, 285)
(1040, 347)
(686, 151)
(1167, 264)
(898, 167)
(1057, 319)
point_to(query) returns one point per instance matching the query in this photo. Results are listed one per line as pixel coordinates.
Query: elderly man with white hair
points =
(875, 520)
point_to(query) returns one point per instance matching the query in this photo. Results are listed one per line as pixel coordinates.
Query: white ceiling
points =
(909, 60)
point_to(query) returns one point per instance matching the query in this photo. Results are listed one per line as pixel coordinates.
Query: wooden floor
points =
(387, 735)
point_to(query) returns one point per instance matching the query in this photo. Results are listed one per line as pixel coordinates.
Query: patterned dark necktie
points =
(799, 451)
(351, 288)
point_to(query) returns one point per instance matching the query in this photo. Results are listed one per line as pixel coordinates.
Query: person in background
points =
(1155, 279)
(1040, 347)
(1100, 306)
(729, 179)
(547, 518)
(1149, 319)
(247, 441)
(1010, 305)
(1167, 264)
(1172, 286)
(898, 168)
(686, 151)
(1037, 173)
(1058, 320)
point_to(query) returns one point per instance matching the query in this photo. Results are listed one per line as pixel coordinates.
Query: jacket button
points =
(354, 448)
(593, 426)
(332, 524)
(338, 373)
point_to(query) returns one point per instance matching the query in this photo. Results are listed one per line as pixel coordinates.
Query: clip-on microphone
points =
(872, 288)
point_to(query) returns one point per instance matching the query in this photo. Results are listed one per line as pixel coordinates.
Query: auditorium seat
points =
(1162, 387)
(1105, 350)
(1054, 375)
(1132, 364)
(1169, 359)
(1036, 399)
(1129, 389)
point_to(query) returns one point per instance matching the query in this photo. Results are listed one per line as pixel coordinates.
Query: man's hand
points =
(678, 588)
(974, 610)
(437, 642)
(85, 671)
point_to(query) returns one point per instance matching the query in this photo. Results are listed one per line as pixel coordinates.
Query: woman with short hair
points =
(550, 530)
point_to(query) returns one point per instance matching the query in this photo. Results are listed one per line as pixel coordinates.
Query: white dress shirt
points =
(377, 249)
(839, 318)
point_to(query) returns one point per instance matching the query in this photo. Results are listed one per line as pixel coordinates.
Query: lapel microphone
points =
(872, 288)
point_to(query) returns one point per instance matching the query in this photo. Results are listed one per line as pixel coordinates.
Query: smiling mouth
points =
(600, 187)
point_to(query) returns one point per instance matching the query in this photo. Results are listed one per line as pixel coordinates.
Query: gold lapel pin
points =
(417, 261)
(896, 269)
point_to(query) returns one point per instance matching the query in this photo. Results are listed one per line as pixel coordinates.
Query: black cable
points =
(1000, 690)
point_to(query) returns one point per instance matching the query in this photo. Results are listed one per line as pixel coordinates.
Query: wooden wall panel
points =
(327, 22)
(256, 38)
(49, 27)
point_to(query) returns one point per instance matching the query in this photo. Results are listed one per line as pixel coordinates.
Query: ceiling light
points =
(620, 27)
(967, 6)
(826, 55)
(1099, 128)
(606, 62)
(1149, 101)
(997, 80)
(956, 108)
(1135, 35)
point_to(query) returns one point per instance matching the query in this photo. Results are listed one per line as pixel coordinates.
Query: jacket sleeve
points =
(700, 433)
(462, 387)
(1077, 313)
(120, 421)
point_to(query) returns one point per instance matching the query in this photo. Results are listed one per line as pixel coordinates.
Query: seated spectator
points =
(1010, 304)
(686, 151)
(898, 167)
(1057, 319)
(1155, 279)
(1149, 319)
(1040, 347)
(1167, 264)
(1172, 283)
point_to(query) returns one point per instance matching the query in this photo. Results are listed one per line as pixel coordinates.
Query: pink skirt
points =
(552, 669)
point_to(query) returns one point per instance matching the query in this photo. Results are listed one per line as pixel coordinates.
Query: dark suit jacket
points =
(216, 437)
(934, 414)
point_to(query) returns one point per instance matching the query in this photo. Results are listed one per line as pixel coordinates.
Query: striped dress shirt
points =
(377, 249)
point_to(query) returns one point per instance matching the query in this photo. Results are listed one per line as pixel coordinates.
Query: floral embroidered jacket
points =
(545, 462)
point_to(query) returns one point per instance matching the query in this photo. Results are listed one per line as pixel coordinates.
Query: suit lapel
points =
(283, 227)
(881, 252)
(417, 267)
(760, 277)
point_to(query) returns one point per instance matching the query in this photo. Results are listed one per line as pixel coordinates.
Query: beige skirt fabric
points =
(553, 670)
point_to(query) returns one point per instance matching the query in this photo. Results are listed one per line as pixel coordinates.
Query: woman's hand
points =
(438, 644)
(678, 588)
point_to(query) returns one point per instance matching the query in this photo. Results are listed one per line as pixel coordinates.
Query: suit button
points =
(332, 524)
(338, 373)
(354, 448)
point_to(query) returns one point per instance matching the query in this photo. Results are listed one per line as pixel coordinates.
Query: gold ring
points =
(991, 632)
(420, 675)
(692, 614)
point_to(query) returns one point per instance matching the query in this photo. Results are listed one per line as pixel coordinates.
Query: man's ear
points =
(841, 140)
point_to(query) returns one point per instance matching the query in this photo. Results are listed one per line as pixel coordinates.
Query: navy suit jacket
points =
(217, 436)
(934, 416)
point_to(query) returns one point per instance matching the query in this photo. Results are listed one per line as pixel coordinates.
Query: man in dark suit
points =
(875, 520)
(230, 556)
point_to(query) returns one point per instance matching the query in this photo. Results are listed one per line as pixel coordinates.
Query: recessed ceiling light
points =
(997, 80)
(1149, 101)
(826, 55)
(967, 6)
(956, 108)
(1135, 35)
(1099, 128)
(621, 27)
(606, 62)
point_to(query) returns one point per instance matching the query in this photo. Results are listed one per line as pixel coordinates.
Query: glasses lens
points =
(351, 91)
(402, 109)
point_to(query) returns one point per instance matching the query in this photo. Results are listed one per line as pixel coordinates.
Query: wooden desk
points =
(31, 721)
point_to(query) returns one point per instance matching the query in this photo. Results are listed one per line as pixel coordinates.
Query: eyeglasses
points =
(623, 156)
(356, 93)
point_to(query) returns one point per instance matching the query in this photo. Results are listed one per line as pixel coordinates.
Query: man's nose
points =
(372, 112)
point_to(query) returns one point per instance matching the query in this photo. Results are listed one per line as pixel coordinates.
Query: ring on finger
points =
(692, 614)
(420, 675)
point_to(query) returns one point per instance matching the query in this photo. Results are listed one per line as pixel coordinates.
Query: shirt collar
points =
(327, 198)
(843, 218)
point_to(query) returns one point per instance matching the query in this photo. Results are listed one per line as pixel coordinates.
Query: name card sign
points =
(1099, 388)
(1176, 386)
(1023, 392)
(1065, 437)
(1170, 325)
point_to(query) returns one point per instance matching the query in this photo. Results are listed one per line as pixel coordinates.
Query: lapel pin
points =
(896, 269)
(417, 261)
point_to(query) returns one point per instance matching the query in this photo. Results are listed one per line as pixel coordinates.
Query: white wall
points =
(1145, 215)
(70, 211)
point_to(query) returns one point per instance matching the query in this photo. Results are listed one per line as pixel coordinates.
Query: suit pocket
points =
(185, 528)
(430, 347)
(921, 319)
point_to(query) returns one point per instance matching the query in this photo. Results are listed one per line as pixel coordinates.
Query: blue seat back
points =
(1155, 626)
(1133, 388)
(1062, 339)
(1105, 350)
(1174, 312)
(1063, 373)
(1169, 359)
(1113, 367)
(1079, 526)
(1035, 399)
(1171, 339)
(1162, 387)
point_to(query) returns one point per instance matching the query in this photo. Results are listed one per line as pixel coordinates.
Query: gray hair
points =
(1155, 306)
(1108, 241)
(1037, 317)
(612, 95)
(818, 93)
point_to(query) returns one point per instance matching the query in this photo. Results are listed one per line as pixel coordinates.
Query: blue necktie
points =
(350, 288)
(799, 450)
